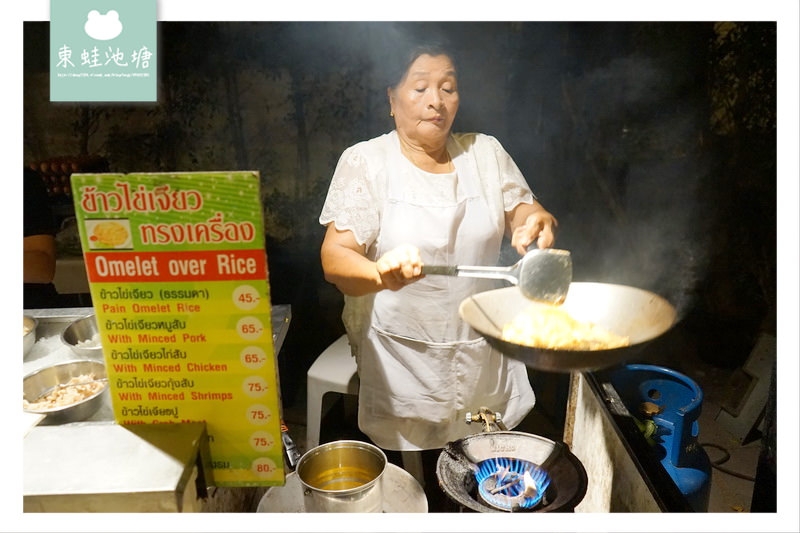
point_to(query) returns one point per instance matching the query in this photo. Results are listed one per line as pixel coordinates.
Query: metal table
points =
(401, 494)
(100, 466)
(105, 467)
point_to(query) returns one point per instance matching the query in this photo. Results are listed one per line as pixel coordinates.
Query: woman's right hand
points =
(345, 264)
(399, 267)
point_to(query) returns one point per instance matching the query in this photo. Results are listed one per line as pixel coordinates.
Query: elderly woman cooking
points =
(422, 194)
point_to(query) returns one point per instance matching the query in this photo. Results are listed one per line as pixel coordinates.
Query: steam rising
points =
(605, 120)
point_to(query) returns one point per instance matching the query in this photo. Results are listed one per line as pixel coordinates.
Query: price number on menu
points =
(259, 414)
(261, 441)
(264, 467)
(246, 297)
(255, 386)
(250, 328)
(253, 357)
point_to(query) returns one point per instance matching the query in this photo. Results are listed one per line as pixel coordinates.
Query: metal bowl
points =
(37, 383)
(83, 329)
(29, 337)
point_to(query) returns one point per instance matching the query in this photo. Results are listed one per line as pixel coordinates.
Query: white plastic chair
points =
(333, 371)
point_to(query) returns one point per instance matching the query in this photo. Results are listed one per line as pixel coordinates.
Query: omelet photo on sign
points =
(104, 234)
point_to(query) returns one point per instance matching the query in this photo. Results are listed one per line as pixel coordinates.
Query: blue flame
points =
(504, 498)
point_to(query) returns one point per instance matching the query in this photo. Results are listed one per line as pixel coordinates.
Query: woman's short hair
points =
(403, 59)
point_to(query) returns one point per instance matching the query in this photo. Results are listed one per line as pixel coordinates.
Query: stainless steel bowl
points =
(83, 329)
(37, 383)
(29, 338)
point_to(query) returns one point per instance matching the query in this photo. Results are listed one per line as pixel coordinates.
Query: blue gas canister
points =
(673, 401)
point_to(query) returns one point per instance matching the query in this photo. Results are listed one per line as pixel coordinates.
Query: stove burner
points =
(511, 484)
(461, 460)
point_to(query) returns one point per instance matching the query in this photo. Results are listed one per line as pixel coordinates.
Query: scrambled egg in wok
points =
(551, 327)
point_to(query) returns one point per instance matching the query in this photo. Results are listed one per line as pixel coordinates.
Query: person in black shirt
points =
(38, 245)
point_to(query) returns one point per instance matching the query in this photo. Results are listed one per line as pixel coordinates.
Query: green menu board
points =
(178, 276)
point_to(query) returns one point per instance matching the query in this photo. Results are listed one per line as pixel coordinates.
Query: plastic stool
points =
(333, 371)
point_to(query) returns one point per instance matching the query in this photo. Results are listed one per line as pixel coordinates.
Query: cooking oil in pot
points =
(342, 477)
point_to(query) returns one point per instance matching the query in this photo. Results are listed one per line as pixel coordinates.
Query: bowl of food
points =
(83, 338)
(28, 333)
(69, 391)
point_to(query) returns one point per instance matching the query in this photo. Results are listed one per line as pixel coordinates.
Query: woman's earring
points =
(391, 113)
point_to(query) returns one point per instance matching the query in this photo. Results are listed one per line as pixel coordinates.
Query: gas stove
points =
(510, 471)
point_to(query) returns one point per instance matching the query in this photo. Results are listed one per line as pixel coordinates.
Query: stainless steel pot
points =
(636, 313)
(343, 477)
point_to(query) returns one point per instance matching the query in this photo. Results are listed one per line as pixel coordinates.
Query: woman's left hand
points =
(539, 224)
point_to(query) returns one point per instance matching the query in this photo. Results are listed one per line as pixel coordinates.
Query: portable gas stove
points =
(510, 471)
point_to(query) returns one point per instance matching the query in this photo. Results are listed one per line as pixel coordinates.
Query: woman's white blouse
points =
(358, 188)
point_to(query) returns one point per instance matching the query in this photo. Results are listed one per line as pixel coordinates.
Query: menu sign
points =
(178, 277)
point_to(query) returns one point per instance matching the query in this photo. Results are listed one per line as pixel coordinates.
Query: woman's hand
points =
(399, 267)
(345, 264)
(530, 222)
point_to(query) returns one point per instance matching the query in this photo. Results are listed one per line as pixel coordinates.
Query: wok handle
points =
(506, 273)
(440, 270)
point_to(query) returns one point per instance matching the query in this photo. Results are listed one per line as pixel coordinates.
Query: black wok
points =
(638, 314)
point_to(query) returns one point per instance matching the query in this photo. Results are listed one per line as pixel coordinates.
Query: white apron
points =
(421, 367)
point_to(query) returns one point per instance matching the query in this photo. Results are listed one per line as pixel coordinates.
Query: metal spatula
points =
(541, 274)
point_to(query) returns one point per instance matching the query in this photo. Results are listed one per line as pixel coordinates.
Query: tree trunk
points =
(302, 168)
(299, 115)
(235, 116)
(84, 120)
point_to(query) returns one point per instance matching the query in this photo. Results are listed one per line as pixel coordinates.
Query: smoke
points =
(606, 130)
(648, 224)
(608, 134)
(610, 139)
